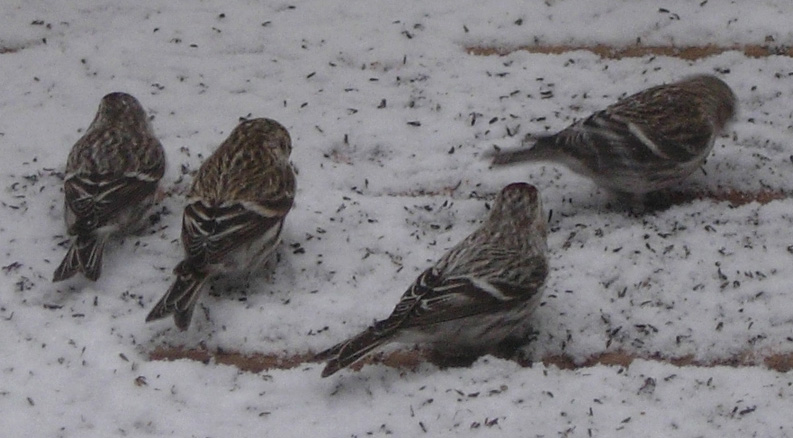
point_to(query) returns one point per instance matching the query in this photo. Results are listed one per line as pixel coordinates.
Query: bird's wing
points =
(280, 189)
(209, 233)
(97, 199)
(670, 124)
(433, 299)
(605, 138)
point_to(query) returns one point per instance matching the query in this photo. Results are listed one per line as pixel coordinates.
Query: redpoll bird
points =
(112, 175)
(644, 142)
(478, 294)
(236, 210)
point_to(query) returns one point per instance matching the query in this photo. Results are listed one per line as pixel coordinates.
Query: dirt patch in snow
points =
(410, 359)
(604, 51)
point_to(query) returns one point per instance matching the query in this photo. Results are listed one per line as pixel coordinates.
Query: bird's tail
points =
(181, 298)
(533, 148)
(85, 255)
(351, 350)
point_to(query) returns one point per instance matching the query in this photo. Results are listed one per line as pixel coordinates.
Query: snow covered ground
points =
(389, 116)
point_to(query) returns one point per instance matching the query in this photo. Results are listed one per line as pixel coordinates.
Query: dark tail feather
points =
(180, 299)
(350, 351)
(85, 255)
(69, 266)
(532, 149)
(90, 251)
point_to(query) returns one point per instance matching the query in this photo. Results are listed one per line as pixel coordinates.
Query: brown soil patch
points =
(734, 197)
(609, 52)
(253, 363)
(411, 359)
(660, 200)
(780, 362)
(777, 362)
(741, 198)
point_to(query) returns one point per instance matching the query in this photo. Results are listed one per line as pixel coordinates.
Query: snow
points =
(389, 116)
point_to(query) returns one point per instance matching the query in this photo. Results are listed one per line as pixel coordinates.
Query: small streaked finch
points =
(236, 209)
(112, 175)
(643, 143)
(480, 293)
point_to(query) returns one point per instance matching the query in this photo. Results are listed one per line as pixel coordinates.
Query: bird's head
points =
(119, 106)
(518, 202)
(277, 137)
(718, 96)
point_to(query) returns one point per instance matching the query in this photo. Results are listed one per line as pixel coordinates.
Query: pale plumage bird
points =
(112, 175)
(480, 293)
(643, 143)
(236, 209)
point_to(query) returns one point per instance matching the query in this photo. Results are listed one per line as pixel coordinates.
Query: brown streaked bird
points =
(236, 209)
(643, 143)
(480, 293)
(112, 175)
